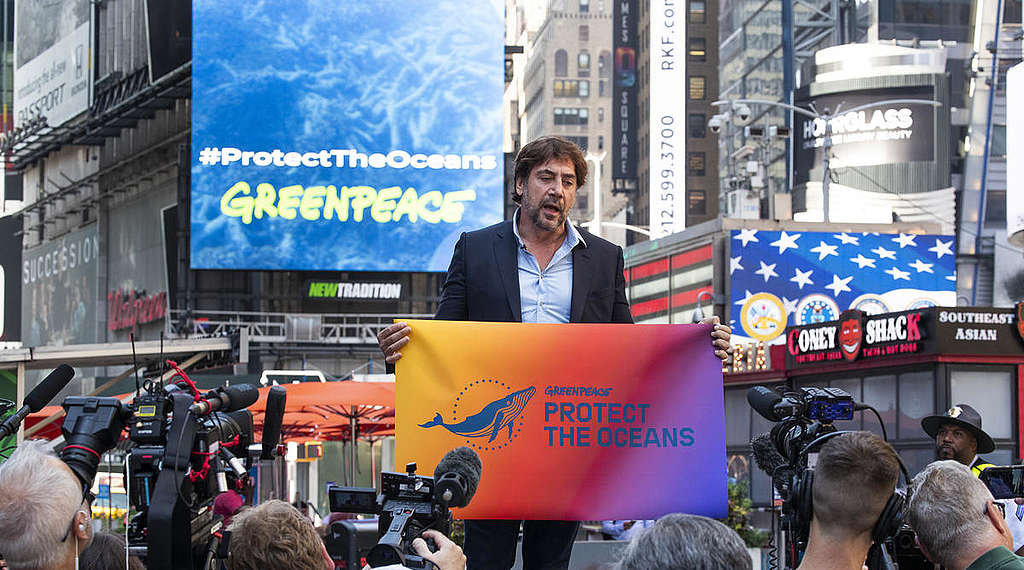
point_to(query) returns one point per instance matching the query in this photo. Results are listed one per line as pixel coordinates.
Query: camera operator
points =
(958, 523)
(45, 518)
(686, 541)
(854, 478)
(958, 436)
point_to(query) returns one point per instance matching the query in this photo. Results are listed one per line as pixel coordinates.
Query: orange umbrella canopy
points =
(325, 410)
(313, 410)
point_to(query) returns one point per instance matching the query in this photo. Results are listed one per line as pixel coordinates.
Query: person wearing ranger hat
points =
(958, 436)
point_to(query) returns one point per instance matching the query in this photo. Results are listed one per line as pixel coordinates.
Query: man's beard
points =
(542, 222)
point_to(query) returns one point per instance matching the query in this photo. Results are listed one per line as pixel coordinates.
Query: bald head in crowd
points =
(44, 519)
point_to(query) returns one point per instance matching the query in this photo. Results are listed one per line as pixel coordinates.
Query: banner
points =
(571, 421)
(51, 61)
(624, 90)
(344, 136)
(780, 279)
(667, 118)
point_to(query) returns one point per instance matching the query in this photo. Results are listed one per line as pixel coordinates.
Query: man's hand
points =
(448, 556)
(720, 337)
(391, 339)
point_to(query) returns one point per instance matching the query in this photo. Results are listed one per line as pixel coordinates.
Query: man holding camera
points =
(854, 478)
(45, 520)
(536, 268)
(959, 437)
(958, 523)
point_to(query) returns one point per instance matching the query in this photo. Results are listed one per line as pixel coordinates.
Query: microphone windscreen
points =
(763, 401)
(464, 462)
(47, 390)
(768, 458)
(241, 396)
(272, 419)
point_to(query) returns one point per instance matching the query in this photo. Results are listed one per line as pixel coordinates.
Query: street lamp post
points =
(595, 160)
(827, 118)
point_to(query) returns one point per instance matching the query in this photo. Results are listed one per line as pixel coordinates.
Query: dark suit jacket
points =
(483, 280)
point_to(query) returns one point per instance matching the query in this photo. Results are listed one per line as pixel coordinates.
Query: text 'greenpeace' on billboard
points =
(344, 136)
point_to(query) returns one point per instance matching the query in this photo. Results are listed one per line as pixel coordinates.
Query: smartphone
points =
(1005, 482)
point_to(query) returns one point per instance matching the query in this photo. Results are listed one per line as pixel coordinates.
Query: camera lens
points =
(92, 427)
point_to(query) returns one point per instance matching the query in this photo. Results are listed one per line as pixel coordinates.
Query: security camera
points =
(742, 114)
(716, 122)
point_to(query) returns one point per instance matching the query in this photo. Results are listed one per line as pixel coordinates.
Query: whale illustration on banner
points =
(494, 417)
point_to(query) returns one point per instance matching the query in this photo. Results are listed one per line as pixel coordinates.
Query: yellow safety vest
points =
(977, 469)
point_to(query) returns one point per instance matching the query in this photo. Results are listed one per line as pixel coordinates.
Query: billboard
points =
(782, 278)
(624, 90)
(10, 269)
(667, 121)
(51, 60)
(344, 136)
(887, 134)
(59, 281)
(1015, 148)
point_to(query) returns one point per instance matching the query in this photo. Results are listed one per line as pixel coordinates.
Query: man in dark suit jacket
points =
(536, 268)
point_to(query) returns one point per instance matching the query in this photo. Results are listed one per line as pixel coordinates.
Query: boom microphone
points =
(770, 461)
(272, 419)
(764, 400)
(226, 399)
(38, 398)
(457, 476)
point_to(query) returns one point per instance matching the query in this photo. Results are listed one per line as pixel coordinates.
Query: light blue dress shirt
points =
(546, 296)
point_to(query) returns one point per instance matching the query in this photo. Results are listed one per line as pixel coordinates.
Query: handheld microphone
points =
(273, 417)
(457, 476)
(38, 398)
(226, 399)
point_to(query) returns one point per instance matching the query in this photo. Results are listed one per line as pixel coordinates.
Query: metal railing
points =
(323, 328)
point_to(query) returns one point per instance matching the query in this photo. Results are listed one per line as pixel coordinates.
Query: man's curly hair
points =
(274, 535)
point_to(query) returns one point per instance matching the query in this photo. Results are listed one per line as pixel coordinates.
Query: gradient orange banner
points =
(571, 421)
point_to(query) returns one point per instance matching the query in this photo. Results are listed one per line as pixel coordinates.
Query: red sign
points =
(128, 309)
(855, 336)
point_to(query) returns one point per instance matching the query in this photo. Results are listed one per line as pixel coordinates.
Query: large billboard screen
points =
(51, 60)
(887, 134)
(58, 290)
(344, 136)
(783, 278)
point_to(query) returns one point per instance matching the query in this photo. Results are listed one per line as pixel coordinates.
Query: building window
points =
(604, 64)
(697, 15)
(602, 88)
(600, 141)
(695, 163)
(698, 125)
(561, 63)
(582, 143)
(998, 147)
(584, 33)
(698, 49)
(696, 203)
(697, 87)
(584, 6)
(571, 115)
(572, 88)
(583, 63)
(600, 114)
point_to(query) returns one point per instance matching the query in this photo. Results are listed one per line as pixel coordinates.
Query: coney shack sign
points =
(856, 335)
(128, 309)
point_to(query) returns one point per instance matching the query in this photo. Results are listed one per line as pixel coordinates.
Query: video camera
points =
(801, 415)
(180, 459)
(407, 505)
